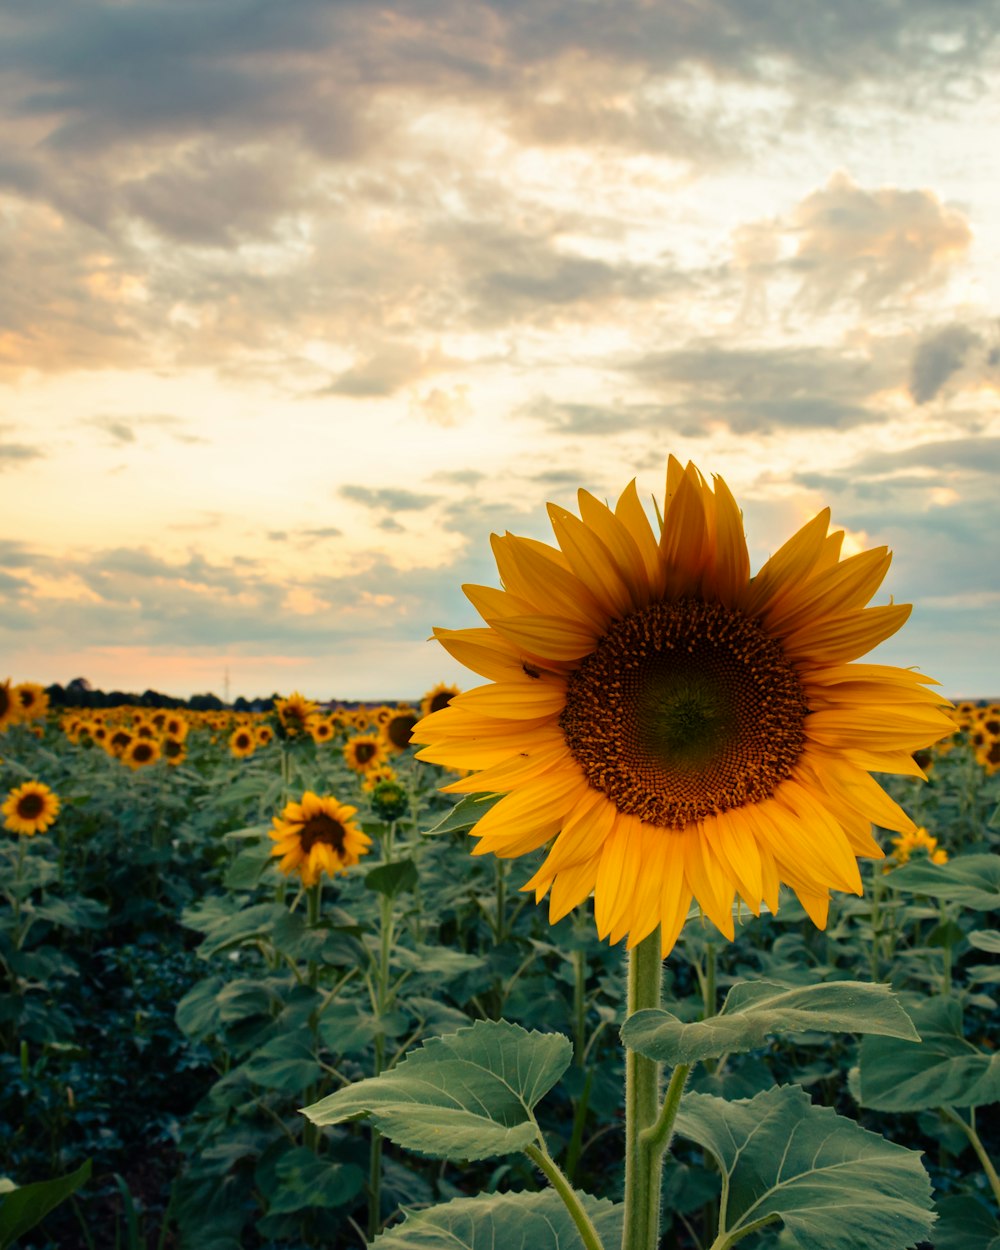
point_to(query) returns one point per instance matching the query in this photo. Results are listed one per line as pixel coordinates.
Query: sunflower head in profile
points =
(141, 752)
(437, 698)
(317, 835)
(364, 751)
(31, 700)
(674, 727)
(294, 713)
(242, 742)
(30, 808)
(397, 730)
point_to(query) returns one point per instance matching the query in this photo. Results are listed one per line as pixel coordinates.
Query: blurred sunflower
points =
(437, 698)
(321, 729)
(30, 808)
(264, 734)
(141, 752)
(988, 756)
(680, 728)
(243, 742)
(174, 750)
(398, 728)
(175, 726)
(364, 751)
(919, 840)
(358, 719)
(316, 836)
(118, 741)
(8, 708)
(373, 777)
(31, 700)
(294, 712)
(144, 729)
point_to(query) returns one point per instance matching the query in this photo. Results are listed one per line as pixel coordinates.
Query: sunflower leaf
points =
(755, 1010)
(942, 1069)
(502, 1222)
(834, 1185)
(972, 880)
(465, 1096)
(392, 879)
(468, 811)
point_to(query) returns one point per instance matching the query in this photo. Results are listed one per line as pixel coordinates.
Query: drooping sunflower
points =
(31, 700)
(8, 708)
(398, 728)
(681, 728)
(242, 742)
(141, 752)
(364, 751)
(30, 808)
(437, 698)
(317, 835)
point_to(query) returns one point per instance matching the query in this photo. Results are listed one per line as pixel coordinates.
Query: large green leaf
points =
(972, 880)
(755, 1010)
(965, 1224)
(942, 1070)
(21, 1209)
(503, 1222)
(833, 1184)
(465, 1096)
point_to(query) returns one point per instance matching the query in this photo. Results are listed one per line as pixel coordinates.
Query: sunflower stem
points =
(571, 1200)
(975, 1141)
(643, 1164)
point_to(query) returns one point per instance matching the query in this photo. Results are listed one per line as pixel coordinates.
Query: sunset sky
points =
(300, 300)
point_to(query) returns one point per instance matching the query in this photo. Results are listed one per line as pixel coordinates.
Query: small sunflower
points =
(141, 752)
(389, 800)
(30, 809)
(988, 756)
(437, 698)
(243, 742)
(680, 728)
(358, 719)
(321, 729)
(8, 708)
(264, 735)
(294, 712)
(317, 835)
(375, 776)
(397, 730)
(31, 700)
(382, 715)
(918, 840)
(174, 750)
(118, 741)
(144, 729)
(176, 726)
(364, 751)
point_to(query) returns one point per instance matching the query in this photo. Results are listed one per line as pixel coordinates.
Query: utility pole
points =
(225, 687)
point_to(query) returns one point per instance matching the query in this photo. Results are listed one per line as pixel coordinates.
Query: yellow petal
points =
(591, 560)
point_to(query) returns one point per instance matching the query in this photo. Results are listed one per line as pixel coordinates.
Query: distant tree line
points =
(80, 693)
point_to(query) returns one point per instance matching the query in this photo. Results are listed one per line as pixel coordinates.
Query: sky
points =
(300, 301)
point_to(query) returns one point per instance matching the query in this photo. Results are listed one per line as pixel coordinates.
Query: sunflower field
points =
(255, 991)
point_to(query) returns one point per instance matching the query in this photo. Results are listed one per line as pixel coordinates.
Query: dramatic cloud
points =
(937, 357)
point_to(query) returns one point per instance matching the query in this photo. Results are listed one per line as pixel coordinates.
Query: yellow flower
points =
(141, 752)
(397, 729)
(317, 836)
(364, 751)
(374, 777)
(8, 708)
(294, 712)
(437, 698)
(174, 750)
(680, 728)
(321, 729)
(30, 700)
(988, 755)
(243, 742)
(30, 809)
(265, 734)
(917, 839)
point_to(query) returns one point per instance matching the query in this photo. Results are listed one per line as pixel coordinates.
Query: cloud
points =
(937, 357)
(394, 499)
(383, 373)
(12, 454)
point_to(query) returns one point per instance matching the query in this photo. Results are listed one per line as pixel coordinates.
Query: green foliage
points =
(24, 1207)
(834, 1185)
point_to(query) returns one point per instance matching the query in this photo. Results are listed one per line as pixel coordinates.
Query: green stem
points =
(656, 1138)
(499, 930)
(975, 1142)
(313, 898)
(382, 975)
(876, 921)
(726, 1240)
(642, 1079)
(571, 1199)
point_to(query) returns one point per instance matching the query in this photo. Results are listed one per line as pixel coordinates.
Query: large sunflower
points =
(680, 728)
(316, 836)
(30, 808)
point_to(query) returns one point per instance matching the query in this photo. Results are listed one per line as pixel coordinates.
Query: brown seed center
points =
(323, 828)
(683, 710)
(30, 806)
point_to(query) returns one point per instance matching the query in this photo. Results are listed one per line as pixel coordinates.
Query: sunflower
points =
(359, 720)
(988, 756)
(30, 809)
(175, 726)
(30, 700)
(174, 750)
(264, 735)
(243, 742)
(321, 729)
(398, 728)
(144, 729)
(8, 708)
(364, 751)
(680, 728)
(373, 777)
(919, 840)
(141, 752)
(437, 698)
(118, 741)
(294, 712)
(317, 836)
